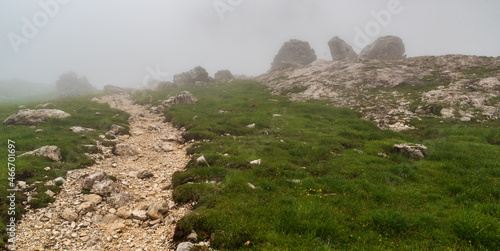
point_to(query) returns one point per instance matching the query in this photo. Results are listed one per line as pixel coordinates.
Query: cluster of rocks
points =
(296, 53)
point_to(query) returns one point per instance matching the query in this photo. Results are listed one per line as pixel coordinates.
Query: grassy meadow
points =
(321, 184)
(55, 132)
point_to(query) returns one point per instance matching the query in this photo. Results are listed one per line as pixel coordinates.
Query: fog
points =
(125, 42)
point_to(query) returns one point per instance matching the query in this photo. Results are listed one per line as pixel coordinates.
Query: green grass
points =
(56, 132)
(315, 190)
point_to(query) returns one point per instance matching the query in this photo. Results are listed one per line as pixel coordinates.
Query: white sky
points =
(116, 41)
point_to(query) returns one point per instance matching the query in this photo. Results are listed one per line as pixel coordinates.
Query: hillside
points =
(301, 159)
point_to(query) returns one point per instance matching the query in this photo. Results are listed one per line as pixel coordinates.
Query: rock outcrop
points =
(31, 117)
(223, 76)
(294, 53)
(384, 48)
(340, 50)
(197, 75)
(393, 92)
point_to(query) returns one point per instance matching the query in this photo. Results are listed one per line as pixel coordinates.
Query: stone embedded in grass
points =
(251, 125)
(77, 129)
(412, 150)
(51, 152)
(184, 98)
(255, 162)
(251, 185)
(201, 160)
(59, 179)
(30, 117)
(116, 129)
(50, 193)
(184, 246)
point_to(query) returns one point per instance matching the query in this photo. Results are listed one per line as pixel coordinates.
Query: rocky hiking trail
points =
(130, 205)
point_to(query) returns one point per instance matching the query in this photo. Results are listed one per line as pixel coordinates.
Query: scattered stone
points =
(105, 187)
(255, 162)
(116, 129)
(384, 48)
(50, 183)
(46, 168)
(123, 149)
(51, 152)
(251, 125)
(193, 237)
(85, 207)
(60, 179)
(50, 193)
(31, 117)
(139, 215)
(46, 105)
(78, 129)
(119, 200)
(92, 198)
(251, 185)
(143, 174)
(294, 53)
(201, 159)
(382, 155)
(124, 212)
(39, 130)
(416, 151)
(184, 98)
(69, 214)
(157, 210)
(340, 50)
(89, 181)
(184, 246)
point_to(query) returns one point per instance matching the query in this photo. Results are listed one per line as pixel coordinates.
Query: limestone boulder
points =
(294, 53)
(31, 117)
(340, 50)
(51, 152)
(384, 48)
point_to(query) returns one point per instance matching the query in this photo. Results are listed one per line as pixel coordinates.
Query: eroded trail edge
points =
(79, 221)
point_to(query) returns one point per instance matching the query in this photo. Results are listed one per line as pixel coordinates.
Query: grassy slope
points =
(56, 132)
(343, 199)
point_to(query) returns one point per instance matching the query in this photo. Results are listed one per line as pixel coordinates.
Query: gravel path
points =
(161, 151)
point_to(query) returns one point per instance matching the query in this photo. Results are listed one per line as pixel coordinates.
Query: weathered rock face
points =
(340, 50)
(393, 92)
(111, 89)
(294, 53)
(184, 98)
(30, 117)
(223, 76)
(197, 74)
(51, 152)
(384, 48)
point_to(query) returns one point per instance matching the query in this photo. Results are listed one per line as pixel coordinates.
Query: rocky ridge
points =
(393, 92)
(128, 204)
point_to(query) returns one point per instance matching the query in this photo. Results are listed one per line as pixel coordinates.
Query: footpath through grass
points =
(55, 132)
(321, 185)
